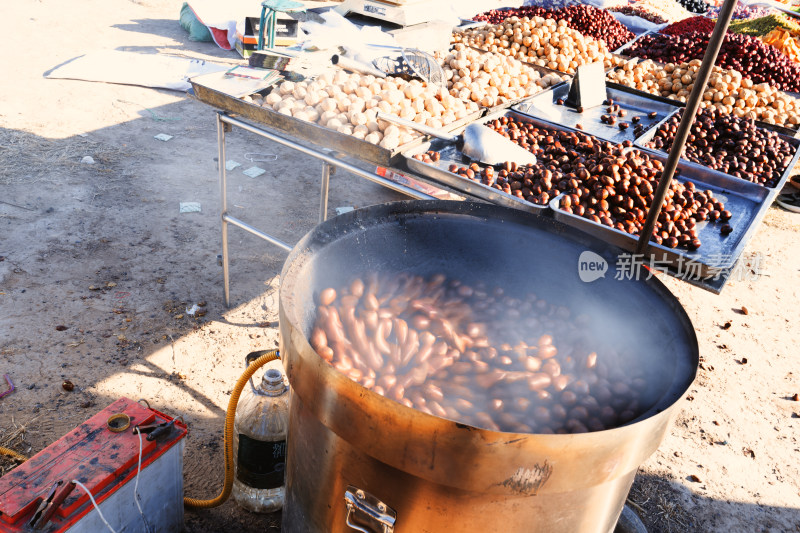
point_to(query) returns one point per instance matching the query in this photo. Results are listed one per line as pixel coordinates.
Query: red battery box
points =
(103, 454)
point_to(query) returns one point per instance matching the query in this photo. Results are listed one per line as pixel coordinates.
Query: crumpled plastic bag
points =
(337, 31)
(637, 25)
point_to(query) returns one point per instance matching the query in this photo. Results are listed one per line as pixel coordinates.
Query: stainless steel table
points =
(330, 162)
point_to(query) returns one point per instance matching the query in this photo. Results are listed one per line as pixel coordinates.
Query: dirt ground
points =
(98, 268)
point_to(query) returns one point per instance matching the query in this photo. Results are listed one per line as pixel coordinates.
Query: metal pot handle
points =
(377, 515)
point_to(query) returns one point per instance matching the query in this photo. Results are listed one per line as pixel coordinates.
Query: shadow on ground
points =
(666, 506)
(99, 271)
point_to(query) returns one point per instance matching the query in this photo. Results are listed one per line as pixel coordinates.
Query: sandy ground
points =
(98, 267)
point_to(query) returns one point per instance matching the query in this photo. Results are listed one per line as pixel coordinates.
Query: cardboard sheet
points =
(128, 68)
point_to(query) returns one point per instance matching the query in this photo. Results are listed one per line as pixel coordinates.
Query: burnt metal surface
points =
(443, 475)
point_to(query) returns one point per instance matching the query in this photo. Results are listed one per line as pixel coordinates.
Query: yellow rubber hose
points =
(227, 436)
(14, 455)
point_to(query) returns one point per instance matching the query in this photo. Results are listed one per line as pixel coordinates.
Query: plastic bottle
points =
(259, 444)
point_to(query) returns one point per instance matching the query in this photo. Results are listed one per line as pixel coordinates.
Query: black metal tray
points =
(544, 107)
(711, 265)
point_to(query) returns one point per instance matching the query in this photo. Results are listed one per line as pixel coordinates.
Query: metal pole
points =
(327, 170)
(692, 104)
(258, 233)
(223, 188)
(262, 23)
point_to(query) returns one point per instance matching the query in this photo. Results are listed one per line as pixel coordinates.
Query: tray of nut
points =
(705, 223)
(624, 116)
(705, 227)
(728, 89)
(730, 145)
(443, 162)
(700, 234)
(525, 187)
(493, 80)
(543, 42)
(338, 110)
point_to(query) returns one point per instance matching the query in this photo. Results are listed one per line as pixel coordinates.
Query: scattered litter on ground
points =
(253, 172)
(190, 207)
(192, 310)
(230, 164)
(343, 210)
(259, 158)
(160, 118)
(28, 158)
(162, 137)
(87, 160)
(10, 387)
(16, 205)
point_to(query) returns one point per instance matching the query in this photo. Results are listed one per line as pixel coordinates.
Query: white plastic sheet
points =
(337, 32)
(637, 25)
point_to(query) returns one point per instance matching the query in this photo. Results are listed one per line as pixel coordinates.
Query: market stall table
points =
(426, 181)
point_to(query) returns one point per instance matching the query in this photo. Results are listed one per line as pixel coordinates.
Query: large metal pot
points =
(356, 456)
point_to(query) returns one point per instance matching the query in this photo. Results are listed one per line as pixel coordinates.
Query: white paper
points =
(190, 207)
(162, 137)
(253, 172)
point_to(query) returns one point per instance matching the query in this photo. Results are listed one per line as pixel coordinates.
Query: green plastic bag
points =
(197, 30)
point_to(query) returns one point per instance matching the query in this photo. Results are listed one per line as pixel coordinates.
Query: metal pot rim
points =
(441, 450)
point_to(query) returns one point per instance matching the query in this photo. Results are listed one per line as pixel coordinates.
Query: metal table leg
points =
(327, 170)
(223, 195)
(329, 165)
